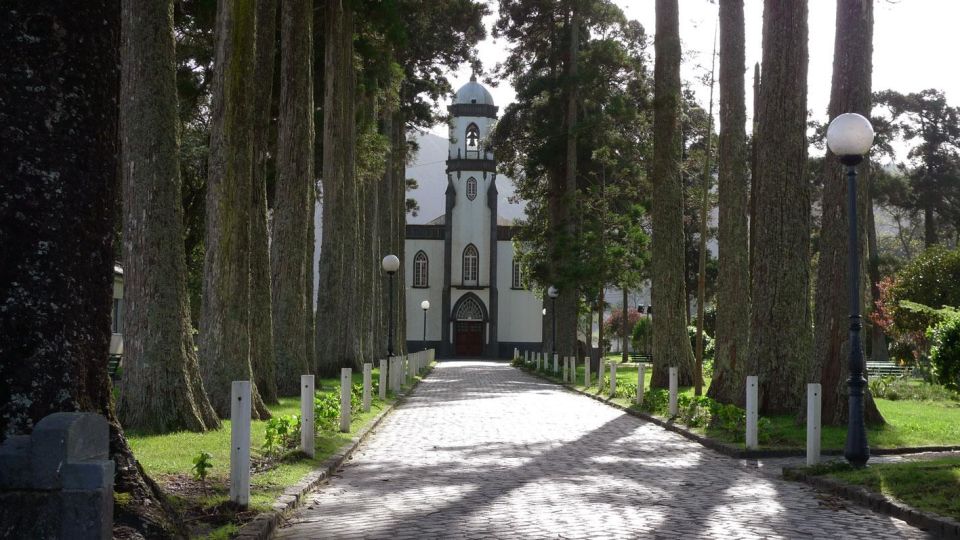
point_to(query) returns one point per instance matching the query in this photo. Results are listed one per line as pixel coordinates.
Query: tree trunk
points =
(58, 106)
(162, 390)
(780, 314)
(291, 222)
(262, 359)
(733, 299)
(225, 321)
(624, 327)
(671, 346)
(878, 340)
(336, 344)
(850, 92)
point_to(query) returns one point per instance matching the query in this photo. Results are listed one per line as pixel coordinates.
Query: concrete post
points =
(367, 383)
(813, 423)
(307, 429)
(240, 442)
(613, 378)
(673, 391)
(566, 365)
(586, 371)
(556, 360)
(346, 381)
(601, 369)
(752, 399)
(382, 386)
(640, 382)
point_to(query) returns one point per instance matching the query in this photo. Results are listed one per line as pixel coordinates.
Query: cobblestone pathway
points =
(482, 450)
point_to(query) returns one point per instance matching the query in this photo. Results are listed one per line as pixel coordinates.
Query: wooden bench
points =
(639, 357)
(884, 369)
(113, 366)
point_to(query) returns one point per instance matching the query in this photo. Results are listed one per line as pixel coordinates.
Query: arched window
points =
(469, 310)
(421, 270)
(471, 188)
(471, 265)
(472, 140)
(516, 282)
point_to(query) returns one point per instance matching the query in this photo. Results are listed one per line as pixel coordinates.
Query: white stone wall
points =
(433, 293)
(471, 225)
(520, 318)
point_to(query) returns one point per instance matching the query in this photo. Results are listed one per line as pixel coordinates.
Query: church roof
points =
(473, 92)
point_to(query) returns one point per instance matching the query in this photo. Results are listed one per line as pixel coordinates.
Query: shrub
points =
(656, 401)
(326, 410)
(709, 345)
(626, 390)
(282, 433)
(932, 279)
(642, 336)
(613, 325)
(945, 352)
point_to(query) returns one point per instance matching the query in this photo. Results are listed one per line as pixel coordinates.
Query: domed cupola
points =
(473, 93)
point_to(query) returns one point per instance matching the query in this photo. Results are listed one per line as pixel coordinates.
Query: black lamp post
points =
(390, 265)
(552, 292)
(849, 137)
(425, 305)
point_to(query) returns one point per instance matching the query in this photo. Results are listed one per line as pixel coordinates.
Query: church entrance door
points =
(468, 340)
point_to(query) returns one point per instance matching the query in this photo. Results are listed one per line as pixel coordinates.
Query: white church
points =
(462, 262)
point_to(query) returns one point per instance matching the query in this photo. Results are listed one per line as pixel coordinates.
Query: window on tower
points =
(471, 188)
(517, 282)
(471, 265)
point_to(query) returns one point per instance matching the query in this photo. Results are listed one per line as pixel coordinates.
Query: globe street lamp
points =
(543, 312)
(849, 137)
(552, 292)
(425, 305)
(390, 265)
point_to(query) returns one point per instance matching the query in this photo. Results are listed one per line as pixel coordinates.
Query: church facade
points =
(463, 261)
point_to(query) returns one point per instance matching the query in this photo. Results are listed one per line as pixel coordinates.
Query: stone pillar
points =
(752, 416)
(813, 423)
(613, 379)
(346, 381)
(382, 385)
(307, 430)
(673, 391)
(367, 383)
(57, 482)
(241, 406)
(586, 371)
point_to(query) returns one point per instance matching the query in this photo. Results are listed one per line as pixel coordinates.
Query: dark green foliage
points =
(326, 410)
(642, 336)
(706, 413)
(202, 465)
(945, 352)
(932, 279)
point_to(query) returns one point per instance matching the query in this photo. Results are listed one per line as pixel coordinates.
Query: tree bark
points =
(162, 390)
(878, 340)
(850, 92)
(262, 359)
(780, 275)
(59, 109)
(624, 327)
(336, 318)
(733, 298)
(671, 346)
(225, 321)
(291, 222)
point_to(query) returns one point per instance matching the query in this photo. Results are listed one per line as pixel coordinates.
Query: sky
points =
(916, 44)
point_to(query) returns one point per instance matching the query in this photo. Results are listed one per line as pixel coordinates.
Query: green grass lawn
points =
(169, 458)
(930, 485)
(909, 423)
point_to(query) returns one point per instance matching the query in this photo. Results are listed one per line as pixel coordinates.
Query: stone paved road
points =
(482, 450)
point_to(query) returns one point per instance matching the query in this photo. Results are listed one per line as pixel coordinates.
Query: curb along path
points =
(483, 450)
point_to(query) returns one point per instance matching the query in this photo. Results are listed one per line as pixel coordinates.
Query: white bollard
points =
(556, 366)
(586, 371)
(601, 369)
(307, 430)
(613, 379)
(240, 407)
(566, 365)
(813, 423)
(673, 391)
(382, 387)
(752, 395)
(346, 381)
(640, 381)
(367, 375)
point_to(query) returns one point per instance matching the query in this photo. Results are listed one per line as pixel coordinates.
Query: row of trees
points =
(213, 115)
(766, 323)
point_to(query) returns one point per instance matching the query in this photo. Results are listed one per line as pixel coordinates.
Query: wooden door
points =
(469, 338)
